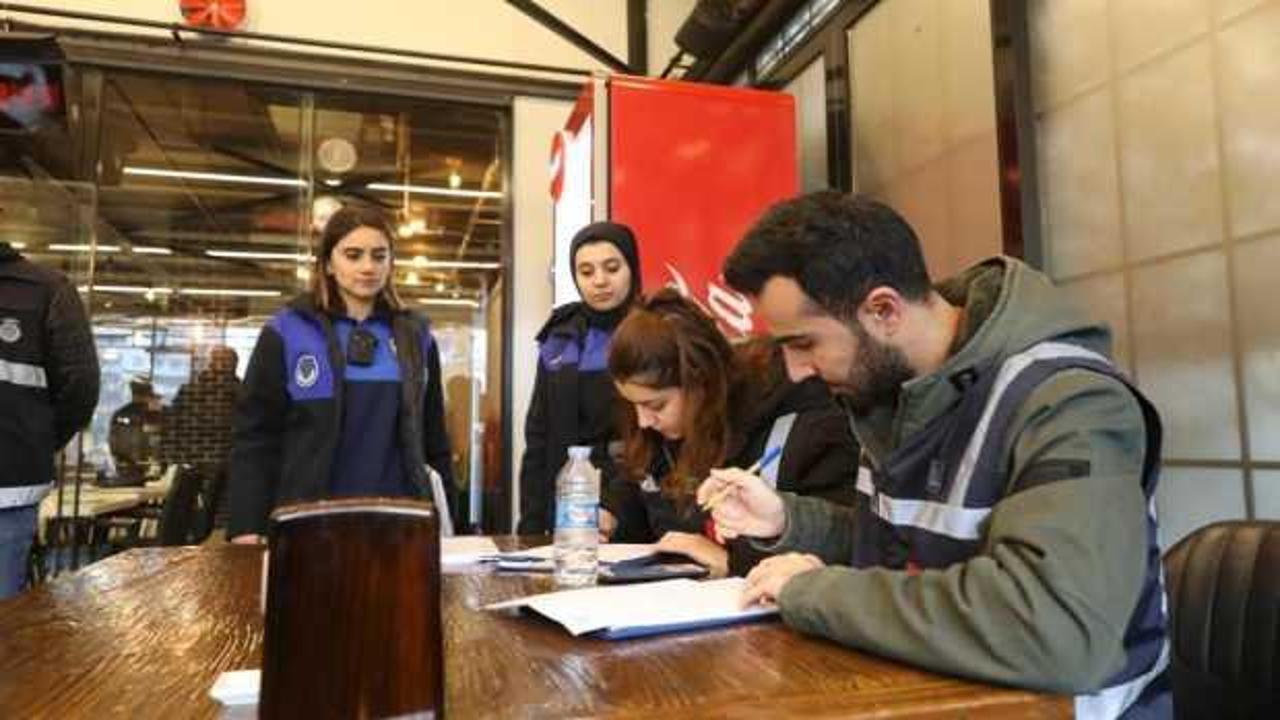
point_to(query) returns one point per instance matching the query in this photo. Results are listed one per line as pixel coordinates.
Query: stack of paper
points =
(462, 550)
(624, 611)
(543, 557)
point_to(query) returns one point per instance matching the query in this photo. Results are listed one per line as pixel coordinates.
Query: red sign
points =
(557, 165)
(215, 14)
(30, 94)
(692, 167)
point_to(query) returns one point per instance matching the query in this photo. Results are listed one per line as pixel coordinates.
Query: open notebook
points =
(617, 612)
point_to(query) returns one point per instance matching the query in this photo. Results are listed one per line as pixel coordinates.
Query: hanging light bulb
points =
(411, 278)
(455, 180)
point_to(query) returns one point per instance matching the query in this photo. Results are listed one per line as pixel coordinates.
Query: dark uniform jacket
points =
(574, 403)
(289, 416)
(48, 374)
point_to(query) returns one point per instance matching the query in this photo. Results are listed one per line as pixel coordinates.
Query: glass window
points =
(198, 225)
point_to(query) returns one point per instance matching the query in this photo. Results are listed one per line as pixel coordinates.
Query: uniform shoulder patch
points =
(10, 330)
(306, 371)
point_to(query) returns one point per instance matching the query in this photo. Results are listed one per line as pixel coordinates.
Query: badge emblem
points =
(10, 330)
(307, 371)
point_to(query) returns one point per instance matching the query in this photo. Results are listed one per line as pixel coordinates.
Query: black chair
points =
(1223, 584)
(181, 513)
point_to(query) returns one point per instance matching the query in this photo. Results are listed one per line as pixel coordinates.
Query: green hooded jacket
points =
(1045, 601)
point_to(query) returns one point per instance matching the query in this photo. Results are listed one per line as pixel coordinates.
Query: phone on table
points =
(659, 566)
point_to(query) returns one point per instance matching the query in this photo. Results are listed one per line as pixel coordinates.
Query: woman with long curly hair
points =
(694, 402)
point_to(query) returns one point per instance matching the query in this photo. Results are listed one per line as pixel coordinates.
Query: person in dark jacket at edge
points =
(695, 403)
(342, 395)
(573, 400)
(1005, 524)
(48, 389)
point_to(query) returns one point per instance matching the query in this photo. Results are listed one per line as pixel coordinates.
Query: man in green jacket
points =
(1003, 528)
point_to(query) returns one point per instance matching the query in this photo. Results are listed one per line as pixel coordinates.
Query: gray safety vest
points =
(927, 506)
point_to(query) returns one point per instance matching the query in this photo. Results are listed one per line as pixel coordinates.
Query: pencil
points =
(765, 461)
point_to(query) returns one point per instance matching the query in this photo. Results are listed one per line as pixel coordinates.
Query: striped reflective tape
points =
(23, 374)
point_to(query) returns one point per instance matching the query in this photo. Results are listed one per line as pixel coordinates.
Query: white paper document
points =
(237, 687)
(543, 557)
(623, 611)
(461, 550)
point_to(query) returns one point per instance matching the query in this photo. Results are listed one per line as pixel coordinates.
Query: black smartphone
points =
(636, 572)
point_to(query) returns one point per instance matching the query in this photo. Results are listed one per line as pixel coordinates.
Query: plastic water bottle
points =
(577, 520)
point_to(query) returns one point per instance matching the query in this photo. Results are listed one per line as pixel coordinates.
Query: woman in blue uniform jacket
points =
(699, 403)
(573, 399)
(342, 396)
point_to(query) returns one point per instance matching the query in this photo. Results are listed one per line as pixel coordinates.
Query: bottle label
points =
(576, 515)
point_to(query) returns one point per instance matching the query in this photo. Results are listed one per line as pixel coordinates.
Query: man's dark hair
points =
(837, 248)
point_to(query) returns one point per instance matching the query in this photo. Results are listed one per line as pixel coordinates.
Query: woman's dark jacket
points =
(574, 403)
(289, 414)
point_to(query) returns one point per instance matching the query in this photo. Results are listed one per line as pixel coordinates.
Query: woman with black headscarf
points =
(573, 397)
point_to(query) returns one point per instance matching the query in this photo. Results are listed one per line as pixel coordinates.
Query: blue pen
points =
(765, 461)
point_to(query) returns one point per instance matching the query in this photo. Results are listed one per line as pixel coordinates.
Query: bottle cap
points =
(580, 452)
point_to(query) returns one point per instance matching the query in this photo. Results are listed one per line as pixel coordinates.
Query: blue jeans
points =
(17, 530)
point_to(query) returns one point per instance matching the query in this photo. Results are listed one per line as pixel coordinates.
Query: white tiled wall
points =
(923, 109)
(1191, 498)
(1256, 265)
(810, 91)
(1158, 124)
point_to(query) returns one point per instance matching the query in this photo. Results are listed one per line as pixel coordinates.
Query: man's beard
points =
(876, 375)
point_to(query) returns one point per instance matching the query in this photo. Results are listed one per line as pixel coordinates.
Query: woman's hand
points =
(608, 523)
(742, 504)
(698, 548)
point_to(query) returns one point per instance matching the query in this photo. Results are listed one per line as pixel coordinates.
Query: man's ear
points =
(881, 312)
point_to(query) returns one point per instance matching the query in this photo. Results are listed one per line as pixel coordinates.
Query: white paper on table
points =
(237, 687)
(461, 550)
(622, 611)
(542, 558)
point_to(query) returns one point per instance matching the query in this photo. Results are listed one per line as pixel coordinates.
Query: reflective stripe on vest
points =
(1109, 703)
(953, 521)
(777, 438)
(1009, 371)
(23, 374)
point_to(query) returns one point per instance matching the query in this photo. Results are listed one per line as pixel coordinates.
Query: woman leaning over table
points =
(342, 396)
(699, 403)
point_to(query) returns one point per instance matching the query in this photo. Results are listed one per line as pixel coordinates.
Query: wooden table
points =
(145, 633)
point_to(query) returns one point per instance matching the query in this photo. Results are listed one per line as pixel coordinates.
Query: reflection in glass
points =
(199, 226)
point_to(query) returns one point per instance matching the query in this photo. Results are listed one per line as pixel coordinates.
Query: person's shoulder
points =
(20, 266)
(565, 320)
(300, 309)
(418, 325)
(1078, 399)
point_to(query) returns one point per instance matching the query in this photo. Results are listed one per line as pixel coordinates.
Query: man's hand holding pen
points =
(741, 503)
